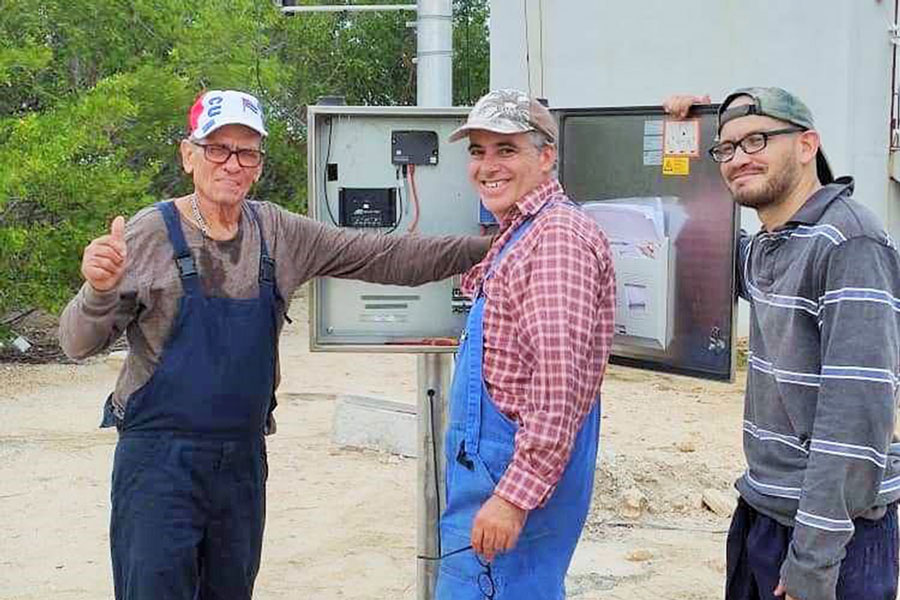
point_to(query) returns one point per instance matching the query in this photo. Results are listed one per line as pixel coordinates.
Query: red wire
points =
(415, 199)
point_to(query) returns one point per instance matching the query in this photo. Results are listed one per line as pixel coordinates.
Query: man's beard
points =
(773, 190)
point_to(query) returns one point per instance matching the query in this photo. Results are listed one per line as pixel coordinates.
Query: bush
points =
(94, 95)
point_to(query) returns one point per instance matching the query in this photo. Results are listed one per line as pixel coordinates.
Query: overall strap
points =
(475, 342)
(266, 262)
(474, 374)
(521, 229)
(184, 260)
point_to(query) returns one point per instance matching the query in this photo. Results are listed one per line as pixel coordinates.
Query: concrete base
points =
(363, 422)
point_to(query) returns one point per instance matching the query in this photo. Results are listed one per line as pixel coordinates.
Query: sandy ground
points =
(341, 521)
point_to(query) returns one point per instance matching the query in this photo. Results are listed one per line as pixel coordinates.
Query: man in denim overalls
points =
(200, 285)
(524, 422)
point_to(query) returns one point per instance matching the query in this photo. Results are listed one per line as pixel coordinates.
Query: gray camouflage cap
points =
(508, 111)
(776, 103)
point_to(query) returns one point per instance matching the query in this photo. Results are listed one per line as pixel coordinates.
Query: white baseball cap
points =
(217, 108)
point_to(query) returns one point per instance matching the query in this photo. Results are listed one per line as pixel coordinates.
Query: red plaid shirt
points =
(548, 326)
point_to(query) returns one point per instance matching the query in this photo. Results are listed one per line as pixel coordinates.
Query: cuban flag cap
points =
(216, 108)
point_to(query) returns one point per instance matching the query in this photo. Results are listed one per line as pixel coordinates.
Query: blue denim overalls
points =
(188, 482)
(479, 446)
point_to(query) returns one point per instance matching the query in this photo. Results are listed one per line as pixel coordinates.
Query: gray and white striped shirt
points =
(821, 396)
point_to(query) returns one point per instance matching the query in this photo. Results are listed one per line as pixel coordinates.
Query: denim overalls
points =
(479, 446)
(188, 483)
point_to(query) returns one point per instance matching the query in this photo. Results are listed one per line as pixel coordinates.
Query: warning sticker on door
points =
(682, 138)
(676, 165)
(653, 142)
(653, 127)
(653, 158)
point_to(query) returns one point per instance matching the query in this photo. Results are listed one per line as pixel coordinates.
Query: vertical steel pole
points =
(435, 372)
(434, 53)
(434, 87)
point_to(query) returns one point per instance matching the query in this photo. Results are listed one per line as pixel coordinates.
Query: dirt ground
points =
(341, 521)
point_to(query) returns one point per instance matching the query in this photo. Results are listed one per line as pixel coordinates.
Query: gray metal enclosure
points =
(357, 144)
(675, 307)
(605, 157)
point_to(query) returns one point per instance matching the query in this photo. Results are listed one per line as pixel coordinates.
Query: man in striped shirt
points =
(524, 410)
(817, 518)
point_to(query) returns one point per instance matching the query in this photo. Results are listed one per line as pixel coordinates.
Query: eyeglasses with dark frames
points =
(219, 154)
(750, 143)
(485, 579)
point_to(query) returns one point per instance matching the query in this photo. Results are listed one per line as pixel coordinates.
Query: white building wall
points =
(835, 54)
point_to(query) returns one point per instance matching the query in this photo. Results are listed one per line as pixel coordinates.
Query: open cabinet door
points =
(672, 226)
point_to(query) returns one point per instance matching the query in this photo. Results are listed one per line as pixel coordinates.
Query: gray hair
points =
(539, 141)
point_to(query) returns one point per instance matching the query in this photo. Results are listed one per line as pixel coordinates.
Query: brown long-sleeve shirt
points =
(145, 303)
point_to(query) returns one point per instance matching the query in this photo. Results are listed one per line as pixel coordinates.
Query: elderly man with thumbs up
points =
(200, 286)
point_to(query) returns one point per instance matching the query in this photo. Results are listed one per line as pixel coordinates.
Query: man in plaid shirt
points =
(524, 411)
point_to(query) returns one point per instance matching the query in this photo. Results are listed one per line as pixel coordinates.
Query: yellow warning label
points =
(676, 165)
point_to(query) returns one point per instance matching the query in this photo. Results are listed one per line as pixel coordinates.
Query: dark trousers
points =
(187, 518)
(757, 545)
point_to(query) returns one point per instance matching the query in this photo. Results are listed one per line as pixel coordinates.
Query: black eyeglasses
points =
(750, 143)
(246, 157)
(485, 578)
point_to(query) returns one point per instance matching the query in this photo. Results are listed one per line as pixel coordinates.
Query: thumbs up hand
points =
(103, 262)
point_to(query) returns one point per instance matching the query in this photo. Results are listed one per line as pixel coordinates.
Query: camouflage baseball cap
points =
(509, 111)
(776, 103)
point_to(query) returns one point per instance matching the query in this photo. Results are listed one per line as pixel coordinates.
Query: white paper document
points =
(629, 224)
(639, 241)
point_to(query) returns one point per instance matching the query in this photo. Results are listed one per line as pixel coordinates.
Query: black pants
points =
(757, 545)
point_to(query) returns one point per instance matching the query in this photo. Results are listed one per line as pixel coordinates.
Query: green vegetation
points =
(94, 95)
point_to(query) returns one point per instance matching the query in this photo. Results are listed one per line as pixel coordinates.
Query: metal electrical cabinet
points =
(675, 291)
(365, 165)
(649, 183)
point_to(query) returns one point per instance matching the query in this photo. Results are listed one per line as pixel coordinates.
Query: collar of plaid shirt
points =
(530, 204)
(527, 205)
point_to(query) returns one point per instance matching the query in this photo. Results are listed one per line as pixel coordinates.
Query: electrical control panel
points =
(367, 207)
(414, 147)
(389, 171)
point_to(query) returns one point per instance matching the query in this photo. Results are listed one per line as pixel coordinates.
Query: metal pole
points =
(434, 53)
(348, 8)
(435, 372)
(434, 87)
(434, 73)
